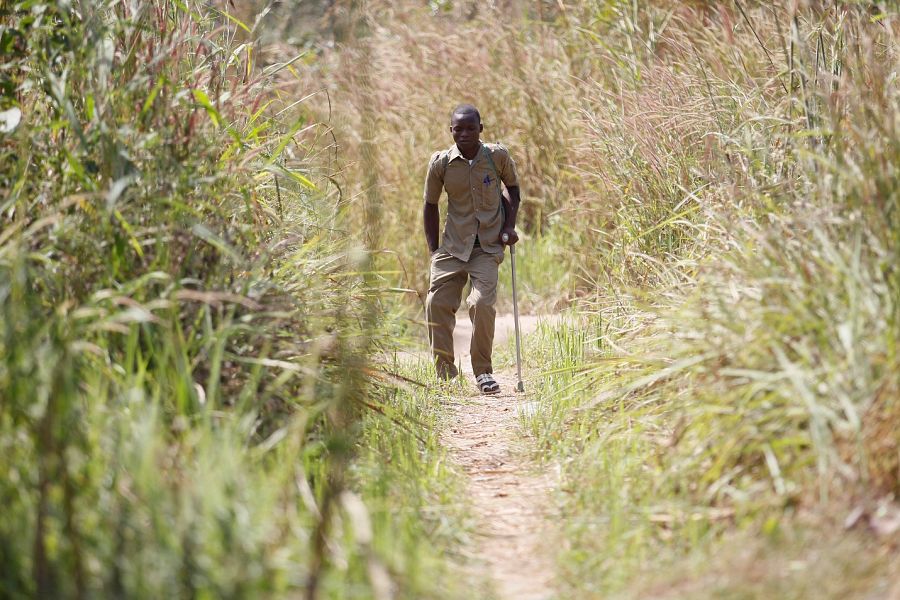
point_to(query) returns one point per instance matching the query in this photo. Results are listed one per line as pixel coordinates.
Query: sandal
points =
(486, 384)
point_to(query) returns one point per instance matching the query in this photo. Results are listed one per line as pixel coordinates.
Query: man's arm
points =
(431, 218)
(511, 200)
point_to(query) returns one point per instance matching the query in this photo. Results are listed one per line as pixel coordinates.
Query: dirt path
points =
(509, 495)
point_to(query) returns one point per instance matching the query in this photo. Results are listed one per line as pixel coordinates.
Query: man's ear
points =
(481, 128)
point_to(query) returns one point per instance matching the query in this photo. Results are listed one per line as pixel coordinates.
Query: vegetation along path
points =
(509, 494)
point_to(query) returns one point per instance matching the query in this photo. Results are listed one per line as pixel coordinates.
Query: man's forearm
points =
(511, 200)
(431, 217)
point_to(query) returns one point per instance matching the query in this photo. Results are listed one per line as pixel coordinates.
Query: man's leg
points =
(483, 268)
(448, 276)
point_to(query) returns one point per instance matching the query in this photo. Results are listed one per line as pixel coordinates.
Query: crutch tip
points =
(520, 387)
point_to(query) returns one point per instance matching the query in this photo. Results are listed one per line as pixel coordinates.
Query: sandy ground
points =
(510, 495)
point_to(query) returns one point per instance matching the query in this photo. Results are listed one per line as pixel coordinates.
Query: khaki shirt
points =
(473, 197)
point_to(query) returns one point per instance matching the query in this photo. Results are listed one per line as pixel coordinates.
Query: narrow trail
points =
(510, 496)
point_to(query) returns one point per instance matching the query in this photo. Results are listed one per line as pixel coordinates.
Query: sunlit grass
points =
(186, 329)
(211, 249)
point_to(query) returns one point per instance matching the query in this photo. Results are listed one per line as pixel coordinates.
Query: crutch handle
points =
(505, 238)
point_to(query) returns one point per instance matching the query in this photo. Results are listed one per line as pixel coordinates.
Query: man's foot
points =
(446, 371)
(486, 384)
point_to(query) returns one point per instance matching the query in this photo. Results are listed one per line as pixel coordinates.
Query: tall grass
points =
(205, 240)
(714, 187)
(775, 251)
(746, 294)
(186, 323)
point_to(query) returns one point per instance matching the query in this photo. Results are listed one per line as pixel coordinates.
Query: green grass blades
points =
(186, 328)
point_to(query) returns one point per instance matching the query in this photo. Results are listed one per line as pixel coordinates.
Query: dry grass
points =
(186, 327)
(714, 186)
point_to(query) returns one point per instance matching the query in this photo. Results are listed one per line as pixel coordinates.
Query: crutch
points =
(512, 260)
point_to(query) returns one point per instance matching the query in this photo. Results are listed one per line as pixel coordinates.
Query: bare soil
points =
(510, 494)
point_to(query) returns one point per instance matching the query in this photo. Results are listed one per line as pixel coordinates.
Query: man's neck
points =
(470, 153)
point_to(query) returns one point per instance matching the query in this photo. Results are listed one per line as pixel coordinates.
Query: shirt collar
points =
(454, 152)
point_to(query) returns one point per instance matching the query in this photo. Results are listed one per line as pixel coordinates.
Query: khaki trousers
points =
(448, 278)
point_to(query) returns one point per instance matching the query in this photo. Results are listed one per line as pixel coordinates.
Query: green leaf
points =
(203, 100)
(295, 175)
(288, 137)
(154, 93)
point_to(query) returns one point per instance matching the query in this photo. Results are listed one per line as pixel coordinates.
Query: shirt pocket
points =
(490, 191)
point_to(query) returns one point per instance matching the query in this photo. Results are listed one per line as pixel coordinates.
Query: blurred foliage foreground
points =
(184, 326)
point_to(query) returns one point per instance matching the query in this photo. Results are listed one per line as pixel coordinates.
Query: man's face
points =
(466, 130)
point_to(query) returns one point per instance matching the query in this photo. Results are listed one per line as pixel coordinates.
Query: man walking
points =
(478, 216)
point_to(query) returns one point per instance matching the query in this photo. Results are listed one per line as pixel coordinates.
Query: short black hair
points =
(464, 109)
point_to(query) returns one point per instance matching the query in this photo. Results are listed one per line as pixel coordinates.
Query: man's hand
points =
(511, 236)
